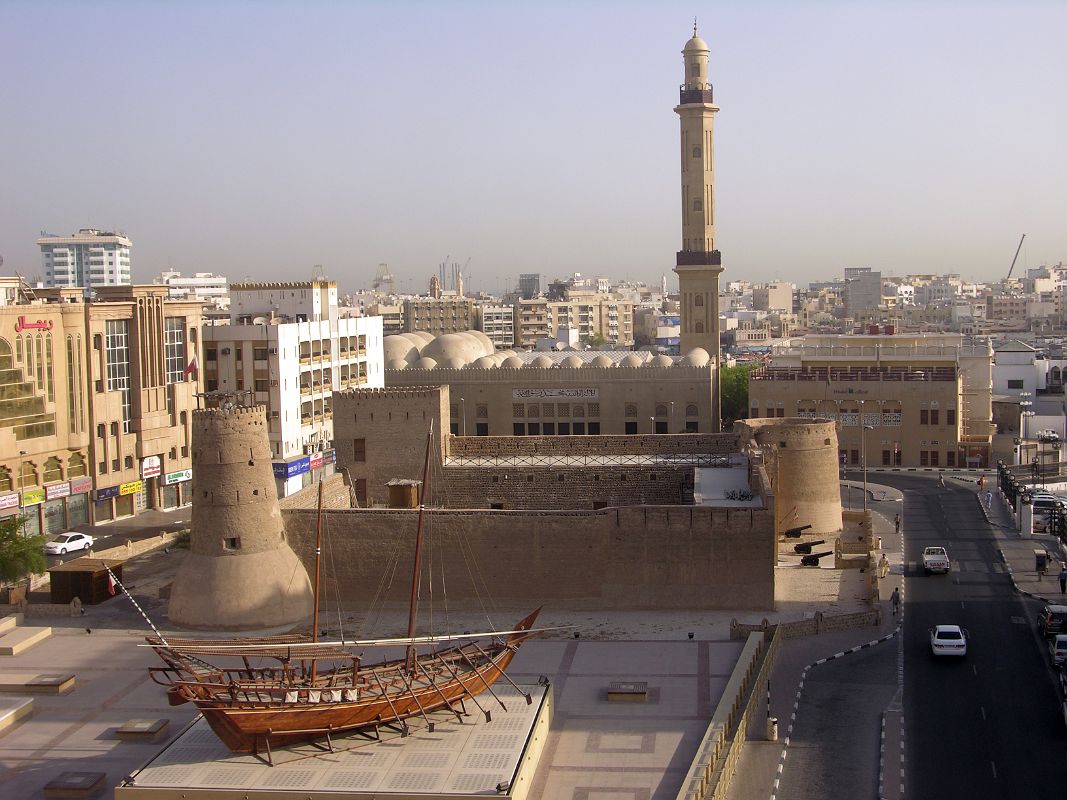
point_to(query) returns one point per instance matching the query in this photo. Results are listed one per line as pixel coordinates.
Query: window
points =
(1016, 384)
(698, 204)
(897, 458)
(129, 462)
(118, 365)
(950, 458)
(262, 385)
(855, 457)
(696, 152)
(564, 428)
(886, 456)
(259, 353)
(934, 415)
(950, 416)
(481, 429)
(518, 429)
(453, 428)
(174, 348)
(549, 429)
(211, 354)
(935, 458)
(698, 301)
(53, 470)
(924, 417)
(631, 428)
(924, 458)
(534, 429)
(212, 384)
(579, 429)
(359, 451)
(231, 543)
(692, 426)
(5, 479)
(594, 428)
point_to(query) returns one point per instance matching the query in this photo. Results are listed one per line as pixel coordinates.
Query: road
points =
(143, 526)
(988, 725)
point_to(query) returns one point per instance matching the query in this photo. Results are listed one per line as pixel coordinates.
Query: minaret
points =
(698, 262)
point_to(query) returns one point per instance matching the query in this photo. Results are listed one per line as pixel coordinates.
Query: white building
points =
(1017, 368)
(287, 347)
(498, 323)
(199, 286)
(88, 258)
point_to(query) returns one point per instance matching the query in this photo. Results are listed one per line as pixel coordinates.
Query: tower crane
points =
(1017, 249)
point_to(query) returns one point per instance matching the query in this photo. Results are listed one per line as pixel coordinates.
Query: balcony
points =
(695, 258)
(704, 94)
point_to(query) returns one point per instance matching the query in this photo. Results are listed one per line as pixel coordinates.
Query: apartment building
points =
(88, 258)
(440, 315)
(287, 347)
(498, 323)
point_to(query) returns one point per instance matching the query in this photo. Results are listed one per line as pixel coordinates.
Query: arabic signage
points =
(555, 394)
(39, 325)
(32, 497)
(329, 457)
(81, 485)
(178, 477)
(289, 469)
(315, 461)
(57, 490)
(109, 492)
(131, 487)
(9, 500)
(150, 467)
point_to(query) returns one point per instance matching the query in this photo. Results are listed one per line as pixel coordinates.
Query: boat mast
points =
(423, 499)
(318, 575)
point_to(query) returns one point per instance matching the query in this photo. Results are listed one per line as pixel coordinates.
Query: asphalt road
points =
(988, 725)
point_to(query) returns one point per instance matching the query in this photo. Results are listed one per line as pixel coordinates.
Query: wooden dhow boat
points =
(260, 693)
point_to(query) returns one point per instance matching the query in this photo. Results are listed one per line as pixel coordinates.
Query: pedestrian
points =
(988, 499)
(1063, 579)
(941, 479)
(883, 566)
(981, 482)
(896, 522)
(894, 600)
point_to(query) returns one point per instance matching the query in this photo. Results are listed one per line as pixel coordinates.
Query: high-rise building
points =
(529, 285)
(698, 264)
(88, 258)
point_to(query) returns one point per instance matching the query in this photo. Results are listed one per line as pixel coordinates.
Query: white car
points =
(68, 542)
(1057, 648)
(948, 640)
(935, 559)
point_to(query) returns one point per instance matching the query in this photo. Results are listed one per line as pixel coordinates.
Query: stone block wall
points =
(638, 557)
(638, 444)
(335, 494)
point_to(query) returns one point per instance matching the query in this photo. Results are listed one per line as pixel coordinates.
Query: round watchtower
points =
(801, 460)
(241, 574)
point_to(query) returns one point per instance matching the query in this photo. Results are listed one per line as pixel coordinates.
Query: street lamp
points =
(22, 490)
(863, 458)
(462, 418)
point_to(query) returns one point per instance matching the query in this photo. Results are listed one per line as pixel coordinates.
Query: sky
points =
(258, 140)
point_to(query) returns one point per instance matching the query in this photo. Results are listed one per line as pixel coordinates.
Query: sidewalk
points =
(1017, 551)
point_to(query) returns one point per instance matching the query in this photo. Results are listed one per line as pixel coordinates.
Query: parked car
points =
(68, 542)
(948, 640)
(1057, 647)
(1053, 620)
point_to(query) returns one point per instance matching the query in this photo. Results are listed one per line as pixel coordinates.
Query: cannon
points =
(793, 533)
(805, 547)
(812, 559)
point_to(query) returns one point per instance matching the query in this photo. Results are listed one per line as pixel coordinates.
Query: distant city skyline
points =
(259, 140)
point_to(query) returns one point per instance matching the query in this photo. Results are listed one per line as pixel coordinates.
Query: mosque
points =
(509, 393)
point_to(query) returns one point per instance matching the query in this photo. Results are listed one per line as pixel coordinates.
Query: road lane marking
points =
(974, 669)
(993, 764)
(983, 712)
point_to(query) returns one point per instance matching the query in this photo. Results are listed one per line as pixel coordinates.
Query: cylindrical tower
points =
(801, 462)
(241, 573)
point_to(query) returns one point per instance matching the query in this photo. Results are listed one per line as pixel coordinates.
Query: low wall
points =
(809, 626)
(335, 494)
(637, 557)
(632, 445)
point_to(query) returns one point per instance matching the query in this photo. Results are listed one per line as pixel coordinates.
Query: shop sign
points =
(316, 461)
(32, 497)
(150, 467)
(109, 492)
(289, 469)
(81, 485)
(131, 487)
(9, 500)
(178, 477)
(329, 457)
(57, 490)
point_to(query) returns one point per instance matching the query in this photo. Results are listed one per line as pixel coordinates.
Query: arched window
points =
(29, 475)
(631, 410)
(661, 411)
(691, 410)
(53, 470)
(1055, 375)
(698, 301)
(5, 480)
(698, 327)
(76, 466)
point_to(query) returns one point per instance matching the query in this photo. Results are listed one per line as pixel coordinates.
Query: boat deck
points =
(455, 760)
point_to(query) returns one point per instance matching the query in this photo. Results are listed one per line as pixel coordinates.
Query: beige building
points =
(924, 400)
(94, 410)
(502, 393)
(592, 314)
(440, 315)
(775, 296)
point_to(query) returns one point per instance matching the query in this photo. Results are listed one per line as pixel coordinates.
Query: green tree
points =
(594, 340)
(20, 555)
(733, 392)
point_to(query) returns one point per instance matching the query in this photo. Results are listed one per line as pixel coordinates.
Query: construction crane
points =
(1017, 249)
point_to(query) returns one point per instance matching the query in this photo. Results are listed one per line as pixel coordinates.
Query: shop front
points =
(177, 489)
(293, 475)
(31, 513)
(116, 502)
(9, 506)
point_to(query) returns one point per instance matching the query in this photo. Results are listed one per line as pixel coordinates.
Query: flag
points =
(110, 583)
(193, 367)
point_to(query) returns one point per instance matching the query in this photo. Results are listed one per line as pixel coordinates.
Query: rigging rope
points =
(118, 583)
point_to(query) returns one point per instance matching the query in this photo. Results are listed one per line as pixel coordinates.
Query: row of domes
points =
(421, 350)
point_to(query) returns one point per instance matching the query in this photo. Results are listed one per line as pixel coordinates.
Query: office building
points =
(88, 258)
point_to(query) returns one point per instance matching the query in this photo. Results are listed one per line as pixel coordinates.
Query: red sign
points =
(81, 485)
(39, 325)
(316, 460)
(150, 467)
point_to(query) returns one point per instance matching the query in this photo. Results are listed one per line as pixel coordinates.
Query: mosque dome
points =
(454, 347)
(425, 363)
(602, 361)
(697, 357)
(631, 360)
(662, 361)
(486, 342)
(542, 362)
(485, 362)
(425, 337)
(400, 346)
(512, 362)
(572, 361)
(396, 363)
(454, 363)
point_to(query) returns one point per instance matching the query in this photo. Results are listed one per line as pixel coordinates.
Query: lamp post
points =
(652, 423)
(22, 491)
(1024, 411)
(462, 417)
(863, 458)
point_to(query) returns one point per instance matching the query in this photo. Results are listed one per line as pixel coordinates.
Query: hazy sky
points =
(260, 139)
